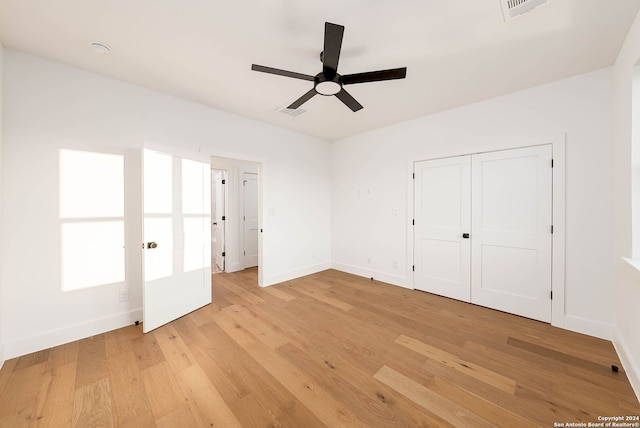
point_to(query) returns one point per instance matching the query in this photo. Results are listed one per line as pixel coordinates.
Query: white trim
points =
(635, 263)
(2, 359)
(411, 170)
(400, 281)
(286, 276)
(49, 339)
(588, 327)
(631, 367)
(559, 230)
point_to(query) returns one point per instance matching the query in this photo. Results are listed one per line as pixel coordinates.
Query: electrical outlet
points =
(124, 295)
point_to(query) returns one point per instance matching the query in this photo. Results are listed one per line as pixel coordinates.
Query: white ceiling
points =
(457, 52)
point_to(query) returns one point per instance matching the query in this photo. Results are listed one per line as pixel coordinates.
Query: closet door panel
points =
(442, 215)
(511, 231)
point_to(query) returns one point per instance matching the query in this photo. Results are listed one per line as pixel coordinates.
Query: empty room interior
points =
(324, 213)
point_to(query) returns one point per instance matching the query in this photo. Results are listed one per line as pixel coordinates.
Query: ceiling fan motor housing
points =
(327, 85)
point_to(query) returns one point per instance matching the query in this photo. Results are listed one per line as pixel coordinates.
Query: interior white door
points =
(220, 218)
(511, 231)
(442, 215)
(177, 233)
(250, 217)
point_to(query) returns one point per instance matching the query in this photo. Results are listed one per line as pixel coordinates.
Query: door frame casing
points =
(224, 173)
(243, 204)
(558, 143)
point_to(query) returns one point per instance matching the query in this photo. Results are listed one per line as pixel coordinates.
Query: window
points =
(91, 209)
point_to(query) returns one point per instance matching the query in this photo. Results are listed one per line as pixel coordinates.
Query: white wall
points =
(48, 107)
(370, 181)
(1, 205)
(627, 278)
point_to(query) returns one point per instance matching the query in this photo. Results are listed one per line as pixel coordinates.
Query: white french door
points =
(177, 234)
(442, 216)
(511, 231)
(483, 229)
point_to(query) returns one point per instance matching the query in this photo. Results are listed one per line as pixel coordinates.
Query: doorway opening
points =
(235, 213)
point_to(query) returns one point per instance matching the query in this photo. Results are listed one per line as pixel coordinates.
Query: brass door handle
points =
(151, 245)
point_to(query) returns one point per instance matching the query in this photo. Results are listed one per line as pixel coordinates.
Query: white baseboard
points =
(309, 270)
(588, 327)
(2, 359)
(397, 280)
(26, 345)
(630, 365)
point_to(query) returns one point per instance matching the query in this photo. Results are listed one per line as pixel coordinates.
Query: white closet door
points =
(442, 215)
(511, 231)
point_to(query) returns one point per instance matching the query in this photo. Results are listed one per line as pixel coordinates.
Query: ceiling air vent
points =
(513, 8)
(293, 112)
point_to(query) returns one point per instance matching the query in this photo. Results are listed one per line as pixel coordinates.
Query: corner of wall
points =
(626, 338)
(399, 281)
(298, 273)
(586, 326)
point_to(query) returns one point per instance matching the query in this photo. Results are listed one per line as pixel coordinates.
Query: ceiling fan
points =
(329, 82)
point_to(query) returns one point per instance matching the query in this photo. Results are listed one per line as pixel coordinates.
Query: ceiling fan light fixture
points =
(328, 87)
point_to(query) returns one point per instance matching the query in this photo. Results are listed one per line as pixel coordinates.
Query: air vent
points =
(293, 112)
(514, 8)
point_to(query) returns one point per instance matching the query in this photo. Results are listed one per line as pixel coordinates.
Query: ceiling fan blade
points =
(279, 72)
(349, 101)
(303, 99)
(332, 44)
(374, 76)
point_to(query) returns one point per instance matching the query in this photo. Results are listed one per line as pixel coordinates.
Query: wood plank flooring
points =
(330, 349)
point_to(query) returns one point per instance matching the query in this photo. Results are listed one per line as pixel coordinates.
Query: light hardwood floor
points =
(330, 349)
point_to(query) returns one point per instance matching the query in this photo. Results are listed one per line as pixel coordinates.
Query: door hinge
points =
(551, 163)
(552, 229)
(413, 268)
(244, 253)
(551, 294)
(224, 181)
(224, 217)
(413, 222)
(414, 175)
(224, 254)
